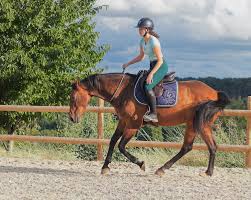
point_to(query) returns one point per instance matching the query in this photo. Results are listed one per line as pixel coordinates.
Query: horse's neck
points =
(111, 83)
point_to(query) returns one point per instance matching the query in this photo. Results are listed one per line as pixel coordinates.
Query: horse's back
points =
(196, 91)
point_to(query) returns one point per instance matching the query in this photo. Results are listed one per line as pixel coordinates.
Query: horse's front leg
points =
(127, 135)
(118, 133)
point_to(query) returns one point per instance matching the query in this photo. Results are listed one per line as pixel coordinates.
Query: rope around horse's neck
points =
(118, 86)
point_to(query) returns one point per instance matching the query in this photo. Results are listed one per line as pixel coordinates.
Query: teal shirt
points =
(148, 47)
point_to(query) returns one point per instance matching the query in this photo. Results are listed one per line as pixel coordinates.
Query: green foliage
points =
(234, 87)
(89, 130)
(238, 104)
(44, 45)
(86, 152)
(227, 130)
(173, 133)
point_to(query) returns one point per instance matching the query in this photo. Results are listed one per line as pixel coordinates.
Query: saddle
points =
(165, 91)
(158, 89)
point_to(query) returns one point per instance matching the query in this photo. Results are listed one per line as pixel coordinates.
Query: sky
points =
(199, 38)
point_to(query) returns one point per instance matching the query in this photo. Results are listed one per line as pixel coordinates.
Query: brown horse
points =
(198, 107)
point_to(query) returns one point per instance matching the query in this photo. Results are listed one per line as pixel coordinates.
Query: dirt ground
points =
(50, 179)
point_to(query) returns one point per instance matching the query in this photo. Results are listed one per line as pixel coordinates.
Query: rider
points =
(150, 45)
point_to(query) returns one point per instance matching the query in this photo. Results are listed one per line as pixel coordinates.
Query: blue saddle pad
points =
(169, 97)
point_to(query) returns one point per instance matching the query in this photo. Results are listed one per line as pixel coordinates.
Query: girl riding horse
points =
(150, 46)
(198, 106)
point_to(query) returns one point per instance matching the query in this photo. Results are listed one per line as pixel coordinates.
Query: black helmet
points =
(146, 23)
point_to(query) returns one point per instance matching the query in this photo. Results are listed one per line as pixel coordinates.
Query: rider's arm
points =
(157, 52)
(140, 57)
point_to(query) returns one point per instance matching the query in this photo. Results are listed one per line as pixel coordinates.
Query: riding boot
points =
(152, 115)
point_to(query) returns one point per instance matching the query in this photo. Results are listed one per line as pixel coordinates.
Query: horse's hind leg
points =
(128, 134)
(187, 146)
(207, 136)
(118, 133)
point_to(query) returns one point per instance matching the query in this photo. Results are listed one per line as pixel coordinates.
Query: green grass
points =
(193, 158)
(40, 151)
(226, 131)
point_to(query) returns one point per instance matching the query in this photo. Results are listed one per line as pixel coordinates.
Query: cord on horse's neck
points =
(98, 89)
(110, 94)
(119, 86)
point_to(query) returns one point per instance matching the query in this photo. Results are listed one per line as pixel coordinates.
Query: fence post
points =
(10, 146)
(248, 134)
(100, 130)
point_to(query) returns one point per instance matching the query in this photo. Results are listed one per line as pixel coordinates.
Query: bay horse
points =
(198, 107)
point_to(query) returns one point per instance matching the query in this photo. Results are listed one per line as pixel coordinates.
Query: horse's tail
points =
(205, 112)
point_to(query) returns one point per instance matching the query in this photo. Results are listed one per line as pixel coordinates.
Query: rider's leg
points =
(157, 77)
(152, 115)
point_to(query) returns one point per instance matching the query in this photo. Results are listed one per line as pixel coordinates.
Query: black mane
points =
(92, 81)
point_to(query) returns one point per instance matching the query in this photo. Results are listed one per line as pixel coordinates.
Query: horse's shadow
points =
(35, 170)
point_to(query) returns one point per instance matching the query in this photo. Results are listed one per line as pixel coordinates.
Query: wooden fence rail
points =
(67, 140)
(100, 141)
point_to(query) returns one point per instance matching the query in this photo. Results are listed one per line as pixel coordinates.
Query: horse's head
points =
(78, 101)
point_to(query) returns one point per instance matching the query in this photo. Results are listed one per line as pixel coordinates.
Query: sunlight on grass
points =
(39, 151)
(226, 131)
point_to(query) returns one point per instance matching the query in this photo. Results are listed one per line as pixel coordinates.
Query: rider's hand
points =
(125, 65)
(149, 78)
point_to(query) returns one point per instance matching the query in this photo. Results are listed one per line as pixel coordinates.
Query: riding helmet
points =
(146, 23)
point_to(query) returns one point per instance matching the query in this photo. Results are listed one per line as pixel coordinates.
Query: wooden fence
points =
(100, 141)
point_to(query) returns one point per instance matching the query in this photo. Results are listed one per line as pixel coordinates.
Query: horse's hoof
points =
(160, 172)
(143, 166)
(204, 174)
(209, 173)
(105, 171)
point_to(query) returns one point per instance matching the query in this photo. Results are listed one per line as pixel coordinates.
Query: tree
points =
(44, 45)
